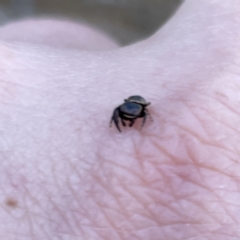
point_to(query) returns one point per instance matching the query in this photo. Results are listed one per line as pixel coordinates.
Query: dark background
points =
(125, 20)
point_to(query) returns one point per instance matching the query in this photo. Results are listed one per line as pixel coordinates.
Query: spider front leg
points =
(123, 123)
(132, 122)
(145, 115)
(115, 118)
(144, 119)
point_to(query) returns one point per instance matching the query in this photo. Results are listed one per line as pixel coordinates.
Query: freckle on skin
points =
(11, 202)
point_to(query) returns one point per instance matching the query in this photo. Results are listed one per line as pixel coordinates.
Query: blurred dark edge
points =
(125, 20)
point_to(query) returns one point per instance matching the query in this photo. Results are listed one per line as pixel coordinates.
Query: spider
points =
(134, 107)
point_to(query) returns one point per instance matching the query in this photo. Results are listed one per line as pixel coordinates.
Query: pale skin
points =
(65, 174)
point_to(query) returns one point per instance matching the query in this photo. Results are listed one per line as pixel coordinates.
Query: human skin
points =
(64, 174)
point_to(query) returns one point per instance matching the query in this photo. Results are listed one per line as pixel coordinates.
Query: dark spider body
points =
(134, 107)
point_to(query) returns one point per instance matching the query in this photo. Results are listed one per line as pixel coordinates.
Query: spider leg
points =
(115, 118)
(144, 119)
(145, 115)
(123, 123)
(132, 122)
(147, 112)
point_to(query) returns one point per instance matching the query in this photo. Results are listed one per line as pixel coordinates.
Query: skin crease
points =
(65, 174)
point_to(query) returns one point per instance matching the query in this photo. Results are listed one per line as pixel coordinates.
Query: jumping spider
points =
(134, 107)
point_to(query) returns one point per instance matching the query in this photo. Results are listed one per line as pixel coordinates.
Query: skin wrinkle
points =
(112, 195)
(167, 190)
(77, 224)
(186, 219)
(132, 234)
(136, 198)
(62, 217)
(169, 177)
(202, 207)
(166, 153)
(216, 119)
(35, 202)
(201, 166)
(202, 140)
(138, 156)
(30, 223)
(229, 235)
(205, 166)
(226, 105)
(155, 190)
(226, 212)
(165, 205)
(215, 194)
(230, 175)
(232, 73)
(20, 236)
(109, 221)
(86, 214)
(128, 170)
(80, 211)
(73, 167)
(201, 186)
(132, 195)
(198, 119)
